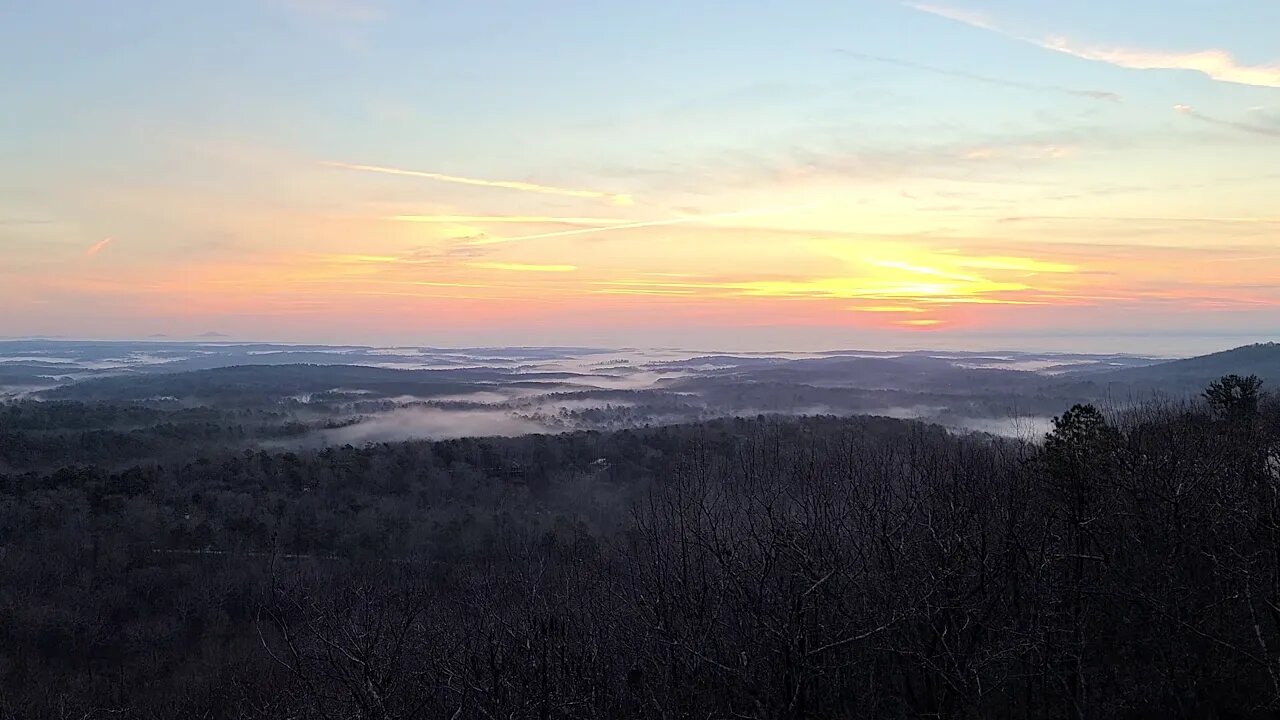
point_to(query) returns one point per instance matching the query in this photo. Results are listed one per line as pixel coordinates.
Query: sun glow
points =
(779, 264)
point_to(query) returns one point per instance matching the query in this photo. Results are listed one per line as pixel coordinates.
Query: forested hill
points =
(763, 568)
(1262, 360)
(248, 383)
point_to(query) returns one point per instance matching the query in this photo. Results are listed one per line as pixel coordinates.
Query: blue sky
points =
(806, 173)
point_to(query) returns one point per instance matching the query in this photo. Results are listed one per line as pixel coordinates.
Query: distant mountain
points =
(243, 383)
(1195, 373)
(907, 372)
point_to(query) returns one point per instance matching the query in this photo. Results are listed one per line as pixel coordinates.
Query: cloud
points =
(371, 259)
(961, 16)
(632, 291)
(522, 267)
(1243, 127)
(922, 270)
(1216, 64)
(1145, 219)
(886, 309)
(1017, 264)
(855, 159)
(649, 224)
(504, 219)
(886, 279)
(1091, 94)
(616, 199)
(351, 266)
(1251, 258)
(821, 155)
(98, 247)
(901, 288)
(1018, 152)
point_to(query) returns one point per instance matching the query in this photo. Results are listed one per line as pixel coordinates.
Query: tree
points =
(1234, 398)
(1079, 461)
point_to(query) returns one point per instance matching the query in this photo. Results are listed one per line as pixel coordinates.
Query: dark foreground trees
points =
(818, 568)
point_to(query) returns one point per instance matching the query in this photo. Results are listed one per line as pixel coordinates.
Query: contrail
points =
(98, 247)
(1243, 127)
(1092, 94)
(506, 184)
(647, 224)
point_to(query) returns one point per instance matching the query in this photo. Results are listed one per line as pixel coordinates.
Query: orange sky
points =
(860, 198)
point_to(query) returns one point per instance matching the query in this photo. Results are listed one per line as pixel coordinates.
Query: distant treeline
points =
(1126, 567)
(38, 435)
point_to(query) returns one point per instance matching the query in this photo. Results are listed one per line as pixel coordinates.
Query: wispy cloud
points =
(614, 198)
(882, 288)
(1145, 219)
(649, 224)
(887, 309)
(1091, 94)
(1243, 127)
(633, 291)
(816, 161)
(506, 219)
(1018, 152)
(1016, 264)
(921, 270)
(1247, 258)
(961, 16)
(522, 267)
(98, 247)
(1216, 64)
(918, 282)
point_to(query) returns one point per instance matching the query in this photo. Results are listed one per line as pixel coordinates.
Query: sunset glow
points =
(1014, 169)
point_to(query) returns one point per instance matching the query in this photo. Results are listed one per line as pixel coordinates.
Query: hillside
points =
(1192, 374)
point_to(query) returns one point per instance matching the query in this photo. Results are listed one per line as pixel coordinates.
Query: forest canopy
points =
(817, 567)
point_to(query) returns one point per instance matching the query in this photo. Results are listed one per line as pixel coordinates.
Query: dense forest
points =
(1127, 566)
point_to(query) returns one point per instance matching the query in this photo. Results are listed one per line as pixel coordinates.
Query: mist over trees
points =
(1126, 567)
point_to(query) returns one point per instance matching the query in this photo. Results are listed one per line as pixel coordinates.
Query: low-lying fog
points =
(420, 421)
(1020, 427)
(510, 391)
(428, 423)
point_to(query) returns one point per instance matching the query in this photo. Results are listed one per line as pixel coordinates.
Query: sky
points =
(742, 174)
